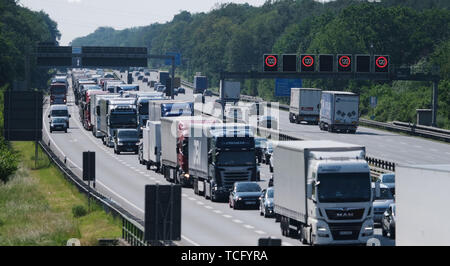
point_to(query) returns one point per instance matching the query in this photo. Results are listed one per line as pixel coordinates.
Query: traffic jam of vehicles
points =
(320, 192)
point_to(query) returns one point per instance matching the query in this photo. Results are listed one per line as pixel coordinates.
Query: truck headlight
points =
(322, 231)
(120, 143)
(239, 198)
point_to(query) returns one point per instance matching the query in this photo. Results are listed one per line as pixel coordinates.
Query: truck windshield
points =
(60, 113)
(236, 158)
(143, 108)
(344, 187)
(128, 134)
(58, 90)
(123, 120)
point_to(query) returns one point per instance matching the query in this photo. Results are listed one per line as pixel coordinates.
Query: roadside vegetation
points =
(39, 207)
(234, 37)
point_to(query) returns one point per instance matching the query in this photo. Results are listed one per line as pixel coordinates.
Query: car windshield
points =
(344, 187)
(59, 113)
(248, 187)
(58, 120)
(389, 179)
(58, 90)
(385, 194)
(270, 193)
(128, 134)
(236, 158)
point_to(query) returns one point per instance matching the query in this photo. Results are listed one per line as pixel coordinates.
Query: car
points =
(388, 180)
(58, 124)
(126, 140)
(388, 222)
(181, 90)
(136, 74)
(268, 122)
(244, 194)
(260, 147)
(207, 93)
(141, 77)
(266, 203)
(160, 88)
(381, 202)
(145, 80)
(268, 152)
(147, 73)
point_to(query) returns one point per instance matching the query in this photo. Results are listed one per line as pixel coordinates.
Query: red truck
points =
(58, 93)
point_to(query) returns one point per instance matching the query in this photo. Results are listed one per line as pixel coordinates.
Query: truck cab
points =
(126, 140)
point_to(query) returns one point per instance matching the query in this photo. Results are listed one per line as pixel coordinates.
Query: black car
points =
(266, 203)
(181, 90)
(388, 222)
(126, 140)
(140, 77)
(145, 80)
(245, 194)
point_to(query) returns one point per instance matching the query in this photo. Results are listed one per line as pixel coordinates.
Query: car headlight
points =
(239, 198)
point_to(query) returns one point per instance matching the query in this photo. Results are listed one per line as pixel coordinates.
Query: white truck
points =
(305, 105)
(339, 111)
(323, 192)
(95, 112)
(151, 150)
(422, 197)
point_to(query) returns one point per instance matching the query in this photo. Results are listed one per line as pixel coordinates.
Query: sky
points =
(77, 18)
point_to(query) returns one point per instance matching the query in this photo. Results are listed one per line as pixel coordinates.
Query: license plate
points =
(250, 202)
(345, 233)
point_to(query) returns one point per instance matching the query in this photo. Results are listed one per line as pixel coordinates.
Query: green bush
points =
(79, 211)
(8, 162)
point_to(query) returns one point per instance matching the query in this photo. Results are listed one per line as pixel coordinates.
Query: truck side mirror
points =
(309, 188)
(156, 150)
(48, 116)
(377, 190)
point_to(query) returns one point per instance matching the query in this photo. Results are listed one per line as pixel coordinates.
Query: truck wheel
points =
(65, 130)
(301, 235)
(148, 166)
(383, 232)
(330, 129)
(291, 120)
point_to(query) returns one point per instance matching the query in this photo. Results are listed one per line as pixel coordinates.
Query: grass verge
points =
(36, 207)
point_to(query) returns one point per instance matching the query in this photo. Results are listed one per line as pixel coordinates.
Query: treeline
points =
(234, 37)
(20, 30)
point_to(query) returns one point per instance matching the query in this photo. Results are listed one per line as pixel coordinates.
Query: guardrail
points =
(132, 227)
(411, 129)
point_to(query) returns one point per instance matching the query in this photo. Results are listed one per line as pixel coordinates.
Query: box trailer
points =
(422, 197)
(151, 150)
(339, 111)
(305, 105)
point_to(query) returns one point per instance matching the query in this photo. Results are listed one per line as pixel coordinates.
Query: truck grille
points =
(344, 214)
(230, 177)
(345, 231)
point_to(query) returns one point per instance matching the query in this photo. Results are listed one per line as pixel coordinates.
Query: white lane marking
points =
(260, 232)
(217, 211)
(227, 216)
(190, 198)
(433, 150)
(249, 226)
(237, 221)
(184, 195)
(208, 207)
(189, 240)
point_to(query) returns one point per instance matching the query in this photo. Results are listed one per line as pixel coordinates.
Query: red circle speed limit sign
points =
(308, 61)
(271, 61)
(381, 62)
(345, 61)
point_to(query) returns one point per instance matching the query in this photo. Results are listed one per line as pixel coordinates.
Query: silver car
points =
(381, 203)
(389, 181)
(58, 124)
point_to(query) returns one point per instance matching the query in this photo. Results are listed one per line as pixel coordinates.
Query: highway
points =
(122, 179)
(379, 144)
